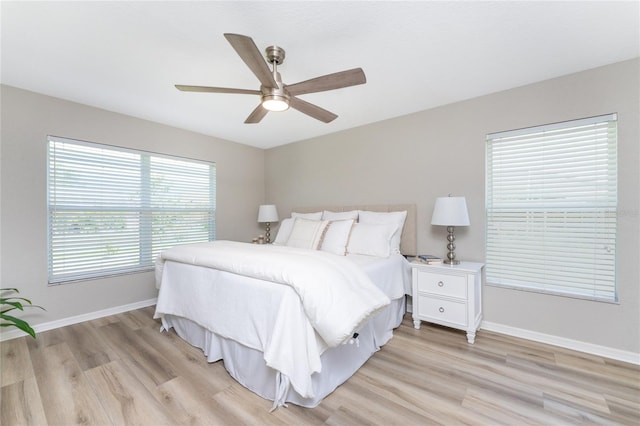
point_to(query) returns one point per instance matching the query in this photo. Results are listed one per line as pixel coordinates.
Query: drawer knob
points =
(440, 284)
(441, 309)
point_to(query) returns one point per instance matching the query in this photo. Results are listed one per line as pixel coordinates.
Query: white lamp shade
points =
(450, 211)
(267, 213)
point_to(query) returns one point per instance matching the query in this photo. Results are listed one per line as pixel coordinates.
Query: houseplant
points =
(8, 303)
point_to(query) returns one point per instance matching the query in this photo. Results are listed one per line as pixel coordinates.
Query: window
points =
(112, 210)
(551, 208)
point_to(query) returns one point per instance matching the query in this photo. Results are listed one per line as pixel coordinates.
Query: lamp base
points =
(268, 234)
(451, 255)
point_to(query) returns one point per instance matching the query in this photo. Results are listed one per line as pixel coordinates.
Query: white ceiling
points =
(126, 56)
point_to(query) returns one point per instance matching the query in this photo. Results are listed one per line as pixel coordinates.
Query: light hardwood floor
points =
(121, 370)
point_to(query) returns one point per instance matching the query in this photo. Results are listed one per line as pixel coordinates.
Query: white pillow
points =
(371, 239)
(337, 236)
(307, 233)
(329, 215)
(284, 230)
(396, 218)
(310, 216)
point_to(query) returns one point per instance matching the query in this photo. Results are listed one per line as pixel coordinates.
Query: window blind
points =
(551, 208)
(112, 210)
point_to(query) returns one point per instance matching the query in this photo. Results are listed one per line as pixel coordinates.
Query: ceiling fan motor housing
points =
(274, 54)
(275, 98)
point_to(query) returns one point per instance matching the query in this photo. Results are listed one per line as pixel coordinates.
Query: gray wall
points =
(27, 119)
(416, 158)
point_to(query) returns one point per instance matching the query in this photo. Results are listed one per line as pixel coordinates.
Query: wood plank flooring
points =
(121, 370)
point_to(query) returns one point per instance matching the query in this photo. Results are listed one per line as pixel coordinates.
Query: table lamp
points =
(267, 213)
(450, 212)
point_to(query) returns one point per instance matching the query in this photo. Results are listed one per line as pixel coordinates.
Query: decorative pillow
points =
(284, 230)
(328, 215)
(307, 233)
(396, 218)
(337, 236)
(310, 216)
(371, 239)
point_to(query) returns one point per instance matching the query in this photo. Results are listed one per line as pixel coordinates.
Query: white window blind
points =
(112, 210)
(551, 208)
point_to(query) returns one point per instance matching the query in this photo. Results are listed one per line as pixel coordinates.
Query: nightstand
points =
(449, 295)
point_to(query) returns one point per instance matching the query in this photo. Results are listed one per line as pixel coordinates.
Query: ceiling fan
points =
(275, 95)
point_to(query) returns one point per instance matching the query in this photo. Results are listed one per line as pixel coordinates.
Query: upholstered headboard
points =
(408, 243)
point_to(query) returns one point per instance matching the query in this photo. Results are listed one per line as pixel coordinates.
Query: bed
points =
(288, 342)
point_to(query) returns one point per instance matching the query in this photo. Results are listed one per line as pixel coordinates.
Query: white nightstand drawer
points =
(443, 284)
(444, 310)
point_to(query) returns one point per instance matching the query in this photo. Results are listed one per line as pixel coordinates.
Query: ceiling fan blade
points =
(249, 53)
(216, 90)
(333, 81)
(312, 110)
(256, 115)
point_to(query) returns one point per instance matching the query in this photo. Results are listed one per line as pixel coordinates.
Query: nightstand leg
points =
(471, 336)
(416, 324)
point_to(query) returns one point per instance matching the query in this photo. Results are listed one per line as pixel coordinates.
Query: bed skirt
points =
(248, 367)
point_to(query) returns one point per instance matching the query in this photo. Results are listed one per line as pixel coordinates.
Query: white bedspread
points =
(337, 298)
(392, 275)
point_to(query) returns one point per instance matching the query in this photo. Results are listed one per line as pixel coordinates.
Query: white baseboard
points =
(14, 332)
(604, 351)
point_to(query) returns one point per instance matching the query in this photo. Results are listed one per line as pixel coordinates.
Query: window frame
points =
(155, 218)
(601, 213)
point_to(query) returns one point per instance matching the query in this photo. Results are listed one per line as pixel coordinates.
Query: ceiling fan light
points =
(275, 103)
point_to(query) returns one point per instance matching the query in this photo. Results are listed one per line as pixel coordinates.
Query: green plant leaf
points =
(8, 304)
(16, 305)
(6, 299)
(17, 322)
